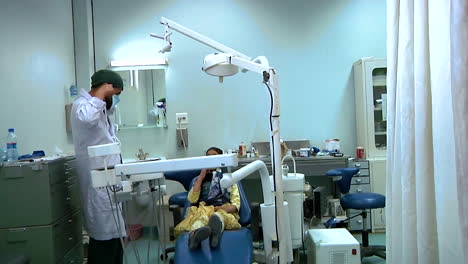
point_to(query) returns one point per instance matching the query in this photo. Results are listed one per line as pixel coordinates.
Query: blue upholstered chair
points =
(359, 201)
(177, 201)
(234, 247)
(185, 178)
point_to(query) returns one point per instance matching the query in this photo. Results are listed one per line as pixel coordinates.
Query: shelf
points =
(381, 133)
(138, 127)
(379, 80)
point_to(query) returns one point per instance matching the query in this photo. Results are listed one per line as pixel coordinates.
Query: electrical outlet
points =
(181, 118)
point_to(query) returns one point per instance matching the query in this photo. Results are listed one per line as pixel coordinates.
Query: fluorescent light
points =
(138, 62)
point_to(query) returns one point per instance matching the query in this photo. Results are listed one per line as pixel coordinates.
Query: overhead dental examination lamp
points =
(227, 63)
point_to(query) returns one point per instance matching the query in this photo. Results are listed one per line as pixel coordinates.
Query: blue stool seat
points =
(234, 247)
(178, 199)
(359, 201)
(362, 201)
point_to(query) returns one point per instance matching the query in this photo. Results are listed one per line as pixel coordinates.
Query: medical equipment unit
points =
(127, 174)
(332, 246)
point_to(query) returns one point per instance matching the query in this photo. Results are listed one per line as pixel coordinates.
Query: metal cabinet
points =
(359, 183)
(41, 205)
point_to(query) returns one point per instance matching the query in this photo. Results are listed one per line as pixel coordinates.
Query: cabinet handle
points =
(359, 221)
(70, 221)
(358, 180)
(359, 190)
(70, 238)
(357, 165)
(68, 198)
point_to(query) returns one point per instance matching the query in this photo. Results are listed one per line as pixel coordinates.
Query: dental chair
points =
(177, 201)
(359, 201)
(234, 247)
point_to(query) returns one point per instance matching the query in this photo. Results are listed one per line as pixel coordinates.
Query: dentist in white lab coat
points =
(92, 125)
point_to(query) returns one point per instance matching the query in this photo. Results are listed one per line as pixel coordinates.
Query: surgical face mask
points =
(111, 101)
(115, 100)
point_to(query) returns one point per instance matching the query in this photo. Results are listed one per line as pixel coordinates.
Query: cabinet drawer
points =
(359, 164)
(67, 232)
(70, 164)
(25, 194)
(64, 199)
(360, 188)
(360, 180)
(356, 223)
(71, 176)
(43, 244)
(75, 256)
(362, 172)
(35, 194)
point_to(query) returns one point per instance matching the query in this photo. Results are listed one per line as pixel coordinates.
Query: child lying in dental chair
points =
(213, 208)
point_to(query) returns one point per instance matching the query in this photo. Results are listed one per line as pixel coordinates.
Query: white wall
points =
(36, 68)
(312, 44)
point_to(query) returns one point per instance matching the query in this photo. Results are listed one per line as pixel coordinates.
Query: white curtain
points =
(427, 163)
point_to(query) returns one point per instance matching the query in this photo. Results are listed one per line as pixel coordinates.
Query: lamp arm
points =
(249, 65)
(200, 38)
(258, 165)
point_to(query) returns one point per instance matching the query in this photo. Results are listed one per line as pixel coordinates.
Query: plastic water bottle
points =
(12, 150)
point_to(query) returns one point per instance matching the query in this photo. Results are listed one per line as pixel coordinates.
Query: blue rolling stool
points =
(359, 201)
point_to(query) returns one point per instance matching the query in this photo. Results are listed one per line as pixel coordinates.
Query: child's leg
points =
(199, 231)
(201, 221)
(229, 220)
(216, 225)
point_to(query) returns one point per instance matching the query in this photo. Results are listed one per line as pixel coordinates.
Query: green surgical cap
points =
(107, 76)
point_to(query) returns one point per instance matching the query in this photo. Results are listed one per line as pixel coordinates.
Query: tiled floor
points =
(374, 239)
(139, 249)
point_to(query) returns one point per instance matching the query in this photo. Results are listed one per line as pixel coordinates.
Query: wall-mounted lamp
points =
(138, 62)
(134, 65)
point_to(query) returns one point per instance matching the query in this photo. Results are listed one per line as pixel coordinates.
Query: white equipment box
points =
(332, 246)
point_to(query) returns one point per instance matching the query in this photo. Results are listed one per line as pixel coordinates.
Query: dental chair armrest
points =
(176, 213)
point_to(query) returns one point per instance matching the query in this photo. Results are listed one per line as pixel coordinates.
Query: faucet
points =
(141, 155)
(285, 167)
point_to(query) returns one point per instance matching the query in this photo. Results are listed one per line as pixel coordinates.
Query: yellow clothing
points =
(199, 216)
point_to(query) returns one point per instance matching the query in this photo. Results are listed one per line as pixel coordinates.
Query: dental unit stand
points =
(128, 174)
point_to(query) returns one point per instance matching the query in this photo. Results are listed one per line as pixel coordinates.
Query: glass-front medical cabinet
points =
(370, 78)
(370, 84)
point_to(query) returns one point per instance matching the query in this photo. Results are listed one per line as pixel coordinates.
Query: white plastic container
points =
(304, 152)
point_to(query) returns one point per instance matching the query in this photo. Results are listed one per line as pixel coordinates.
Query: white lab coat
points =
(92, 125)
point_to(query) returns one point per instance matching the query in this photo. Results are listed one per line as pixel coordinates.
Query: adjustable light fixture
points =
(138, 62)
